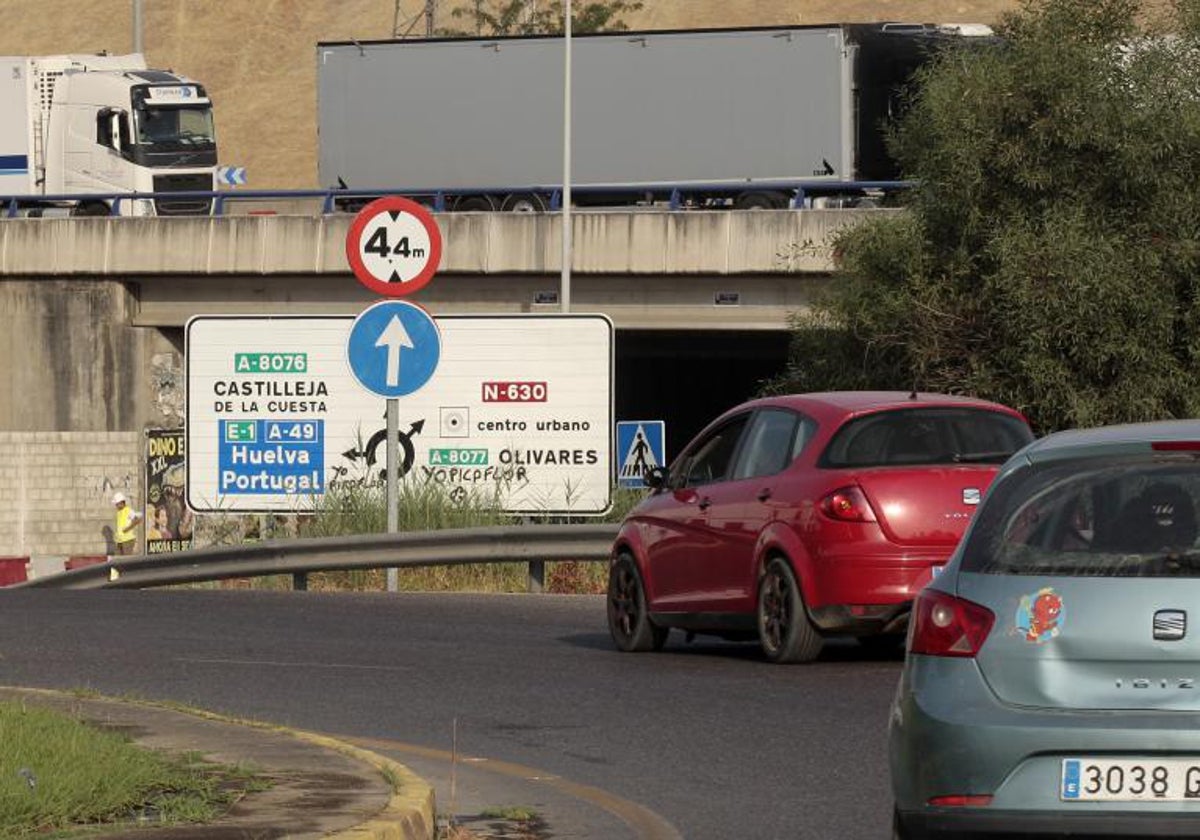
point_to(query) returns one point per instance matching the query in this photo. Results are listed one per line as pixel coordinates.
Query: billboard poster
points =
(168, 521)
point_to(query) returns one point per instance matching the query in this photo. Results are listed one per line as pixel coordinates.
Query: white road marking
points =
(272, 664)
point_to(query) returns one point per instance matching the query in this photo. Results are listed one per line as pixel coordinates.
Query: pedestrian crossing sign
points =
(641, 446)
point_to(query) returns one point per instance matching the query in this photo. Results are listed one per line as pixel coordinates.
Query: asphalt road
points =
(708, 736)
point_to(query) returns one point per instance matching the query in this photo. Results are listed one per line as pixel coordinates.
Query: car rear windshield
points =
(1126, 517)
(913, 436)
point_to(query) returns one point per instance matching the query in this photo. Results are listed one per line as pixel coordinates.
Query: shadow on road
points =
(835, 650)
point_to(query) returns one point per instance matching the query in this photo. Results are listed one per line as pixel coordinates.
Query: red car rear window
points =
(917, 436)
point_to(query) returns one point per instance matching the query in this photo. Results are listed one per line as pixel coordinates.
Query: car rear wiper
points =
(980, 457)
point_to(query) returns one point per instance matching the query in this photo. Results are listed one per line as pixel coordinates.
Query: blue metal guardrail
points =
(674, 194)
(532, 544)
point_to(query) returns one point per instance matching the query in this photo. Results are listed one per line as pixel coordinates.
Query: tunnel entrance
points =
(688, 377)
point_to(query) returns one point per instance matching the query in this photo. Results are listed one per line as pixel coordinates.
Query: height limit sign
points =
(394, 246)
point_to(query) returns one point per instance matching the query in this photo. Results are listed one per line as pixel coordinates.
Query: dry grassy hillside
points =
(257, 57)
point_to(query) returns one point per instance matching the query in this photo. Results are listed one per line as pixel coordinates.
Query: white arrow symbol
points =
(393, 338)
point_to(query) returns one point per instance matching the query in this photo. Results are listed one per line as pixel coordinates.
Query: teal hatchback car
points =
(1052, 682)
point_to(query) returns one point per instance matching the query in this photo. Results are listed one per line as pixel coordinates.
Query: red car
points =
(798, 517)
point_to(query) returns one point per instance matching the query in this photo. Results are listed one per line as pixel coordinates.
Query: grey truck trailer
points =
(743, 118)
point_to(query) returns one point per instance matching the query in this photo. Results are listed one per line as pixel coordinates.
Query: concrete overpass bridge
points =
(92, 311)
(83, 301)
(652, 270)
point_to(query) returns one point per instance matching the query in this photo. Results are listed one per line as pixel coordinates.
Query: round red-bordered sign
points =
(394, 246)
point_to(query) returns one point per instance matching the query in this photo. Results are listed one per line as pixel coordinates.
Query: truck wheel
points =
(90, 208)
(523, 203)
(784, 630)
(474, 204)
(760, 201)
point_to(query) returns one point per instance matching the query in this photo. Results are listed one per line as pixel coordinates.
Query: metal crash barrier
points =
(532, 544)
(671, 196)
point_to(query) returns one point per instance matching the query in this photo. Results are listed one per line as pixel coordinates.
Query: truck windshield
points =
(174, 129)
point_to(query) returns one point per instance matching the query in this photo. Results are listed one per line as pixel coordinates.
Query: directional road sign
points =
(394, 348)
(519, 413)
(394, 246)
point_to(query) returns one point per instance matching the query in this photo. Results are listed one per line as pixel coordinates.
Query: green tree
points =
(539, 17)
(1048, 258)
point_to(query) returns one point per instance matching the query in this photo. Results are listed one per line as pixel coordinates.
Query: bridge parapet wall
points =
(634, 243)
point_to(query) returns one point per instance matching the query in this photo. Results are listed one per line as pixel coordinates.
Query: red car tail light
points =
(961, 801)
(1175, 446)
(947, 626)
(848, 504)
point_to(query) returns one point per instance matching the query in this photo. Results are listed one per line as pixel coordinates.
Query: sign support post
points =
(565, 282)
(393, 349)
(393, 490)
(394, 248)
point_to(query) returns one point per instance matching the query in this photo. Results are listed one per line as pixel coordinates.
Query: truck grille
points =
(201, 182)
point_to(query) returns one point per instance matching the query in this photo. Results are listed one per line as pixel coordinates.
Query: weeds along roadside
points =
(360, 509)
(68, 775)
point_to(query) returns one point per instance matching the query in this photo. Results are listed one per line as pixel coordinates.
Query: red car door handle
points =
(764, 494)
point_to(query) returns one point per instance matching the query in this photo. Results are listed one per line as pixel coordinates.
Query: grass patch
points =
(392, 778)
(516, 813)
(58, 774)
(516, 822)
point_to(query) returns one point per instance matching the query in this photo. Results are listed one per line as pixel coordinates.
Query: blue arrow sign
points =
(234, 176)
(394, 348)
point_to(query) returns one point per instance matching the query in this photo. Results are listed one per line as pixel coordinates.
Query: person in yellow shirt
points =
(125, 533)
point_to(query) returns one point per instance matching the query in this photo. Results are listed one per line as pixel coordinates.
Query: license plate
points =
(1130, 780)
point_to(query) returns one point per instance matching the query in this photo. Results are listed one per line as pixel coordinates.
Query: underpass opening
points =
(688, 377)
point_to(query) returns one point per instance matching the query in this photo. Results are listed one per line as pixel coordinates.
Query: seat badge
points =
(1170, 625)
(971, 495)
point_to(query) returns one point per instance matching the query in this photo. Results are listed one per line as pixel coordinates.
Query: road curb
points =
(409, 813)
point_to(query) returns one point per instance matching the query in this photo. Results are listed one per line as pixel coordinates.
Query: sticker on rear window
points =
(1040, 616)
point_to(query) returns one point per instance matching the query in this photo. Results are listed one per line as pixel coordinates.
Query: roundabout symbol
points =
(369, 452)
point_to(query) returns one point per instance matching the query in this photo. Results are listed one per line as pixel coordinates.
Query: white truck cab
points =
(81, 125)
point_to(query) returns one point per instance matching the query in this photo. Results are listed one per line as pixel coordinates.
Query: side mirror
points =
(104, 128)
(112, 129)
(655, 477)
(124, 138)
